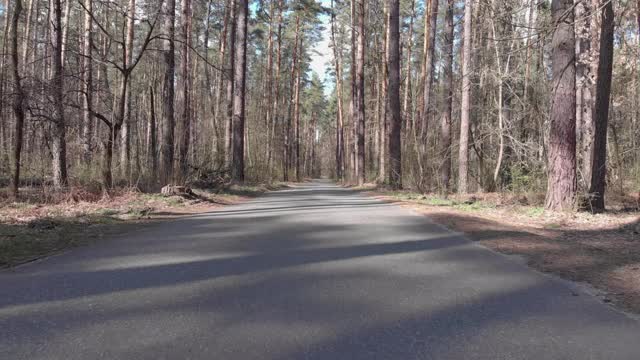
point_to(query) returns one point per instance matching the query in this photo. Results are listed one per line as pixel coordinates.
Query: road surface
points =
(314, 272)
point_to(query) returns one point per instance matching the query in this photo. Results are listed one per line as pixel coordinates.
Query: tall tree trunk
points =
(220, 147)
(584, 86)
(337, 56)
(18, 100)
(297, 119)
(359, 100)
(268, 82)
(168, 94)
(152, 133)
(228, 129)
(445, 127)
(465, 111)
(428, 70)
(239, 90)
(87, 77)
(66, 14)
(525, 117)
(562, 183)
(183, 155)
(125, 146)
(406, 104)
(59, 143)
(312, 140)
(384, 121)
(603, 95)
(395, 118)
(287, 130)
(4, 122)
(276, 98)
(26, 45)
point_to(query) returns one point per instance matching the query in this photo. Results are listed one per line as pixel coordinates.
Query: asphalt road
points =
(316, 272)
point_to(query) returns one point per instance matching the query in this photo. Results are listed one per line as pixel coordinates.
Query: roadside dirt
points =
(601, 250)
(34, 228)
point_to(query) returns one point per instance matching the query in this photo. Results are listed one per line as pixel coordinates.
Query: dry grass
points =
(44, 222)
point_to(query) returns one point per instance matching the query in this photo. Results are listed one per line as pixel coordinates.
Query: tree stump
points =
(171, 190)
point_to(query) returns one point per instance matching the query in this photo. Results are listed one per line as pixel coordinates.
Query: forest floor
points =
(601, 250)
(40, 225)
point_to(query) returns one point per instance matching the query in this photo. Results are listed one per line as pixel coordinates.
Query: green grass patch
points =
(536, 211)
(108, 212)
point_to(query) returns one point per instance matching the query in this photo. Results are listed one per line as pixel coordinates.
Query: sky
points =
(323, 57)
(321, 54)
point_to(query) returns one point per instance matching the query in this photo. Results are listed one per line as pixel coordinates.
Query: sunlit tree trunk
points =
(228, 129)
(87, 75)
(168, 95)
(465, 111)
(359, 92)
(183, 155)
(239, 90)
(428, 70)
(337, 56)
(287, 130)
(445, 126)
(562, 183)
(125, 148)
(584, 87)
(152, 133)
(296, 104)
(407, 112)
(276, 99)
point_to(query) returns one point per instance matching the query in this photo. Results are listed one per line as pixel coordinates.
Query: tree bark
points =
(428, 69)
(27, 35)
(584, 86)
(384, 123)
(276, 99)
(465, 111)
(228, 137)
(603, 95)
(337, 51)
(125, 148)
(239, 90)
(59, 143)
(406, 103)
(562, 183)
(87, 77)
(152, 133)
(183, 155)
(287, 129)
(359, 94)
(18, 100)
(168, 94)
(297, 118)
(395, 119)
(221, 146)
(445, 126)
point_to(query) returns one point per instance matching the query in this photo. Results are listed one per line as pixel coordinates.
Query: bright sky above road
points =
(321, 53)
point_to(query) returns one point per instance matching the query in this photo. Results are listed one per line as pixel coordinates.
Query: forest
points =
(436, 96)
(319, 179)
